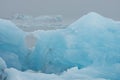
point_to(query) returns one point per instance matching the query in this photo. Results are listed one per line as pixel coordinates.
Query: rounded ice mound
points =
(96, 36)
(92, 20)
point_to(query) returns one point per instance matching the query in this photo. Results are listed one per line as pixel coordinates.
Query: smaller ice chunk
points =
(11, 59)
(3, 66)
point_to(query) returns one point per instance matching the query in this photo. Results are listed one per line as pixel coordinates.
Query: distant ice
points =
(30, 23)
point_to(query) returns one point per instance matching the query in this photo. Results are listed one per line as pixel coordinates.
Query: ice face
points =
(97, 38)
(48, 55)
(12, 42)
(51, 54)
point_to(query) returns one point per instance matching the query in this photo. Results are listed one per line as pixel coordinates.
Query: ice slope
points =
(48, 55)
(12, 47)
(96, 36)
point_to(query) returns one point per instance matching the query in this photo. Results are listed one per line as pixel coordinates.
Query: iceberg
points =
(88, 49)
(48, 55)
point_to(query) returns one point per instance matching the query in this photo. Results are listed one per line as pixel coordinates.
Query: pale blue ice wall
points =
(12, 47)
(98, 37)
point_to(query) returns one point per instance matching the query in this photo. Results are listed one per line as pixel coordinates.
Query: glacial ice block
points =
(48, 55)
(96, 36)
(91, 40)
(12, 41)
(91, 44)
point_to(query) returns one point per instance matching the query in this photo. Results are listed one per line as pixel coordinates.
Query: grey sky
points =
(70, 9)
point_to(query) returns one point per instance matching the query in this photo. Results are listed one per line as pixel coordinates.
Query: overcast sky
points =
(70, 9)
